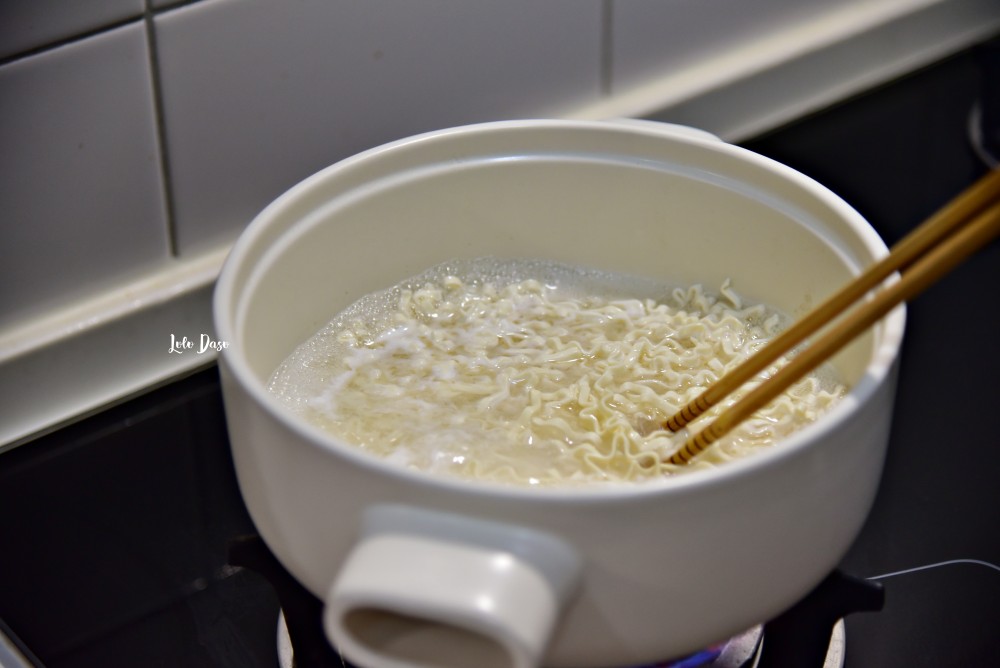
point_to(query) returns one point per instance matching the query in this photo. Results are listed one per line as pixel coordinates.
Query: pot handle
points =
(427, 588)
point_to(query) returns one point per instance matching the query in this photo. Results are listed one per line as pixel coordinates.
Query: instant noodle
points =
(537, 373)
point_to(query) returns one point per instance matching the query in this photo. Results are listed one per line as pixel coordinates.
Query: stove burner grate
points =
(810, 634)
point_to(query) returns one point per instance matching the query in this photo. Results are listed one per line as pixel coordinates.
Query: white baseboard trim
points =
(764, 83)
(81, 359)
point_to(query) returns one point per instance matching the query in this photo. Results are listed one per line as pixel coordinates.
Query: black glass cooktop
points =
(114, 531)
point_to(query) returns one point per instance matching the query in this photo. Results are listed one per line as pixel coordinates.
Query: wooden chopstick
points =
(959, 210)
(926, 255)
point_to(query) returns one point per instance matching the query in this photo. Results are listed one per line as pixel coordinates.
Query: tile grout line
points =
(607, 42)
(161, 130)
(65, 41)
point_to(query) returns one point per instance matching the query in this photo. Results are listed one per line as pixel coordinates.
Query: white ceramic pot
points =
(422, 570)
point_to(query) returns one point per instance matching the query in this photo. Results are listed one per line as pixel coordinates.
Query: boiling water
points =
(537, 373)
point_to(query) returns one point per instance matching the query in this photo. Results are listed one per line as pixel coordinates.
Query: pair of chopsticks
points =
(944, 241)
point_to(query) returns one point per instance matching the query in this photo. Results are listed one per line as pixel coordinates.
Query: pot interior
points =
(678, 209)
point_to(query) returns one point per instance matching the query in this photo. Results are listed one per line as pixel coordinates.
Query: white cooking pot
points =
(418, 570)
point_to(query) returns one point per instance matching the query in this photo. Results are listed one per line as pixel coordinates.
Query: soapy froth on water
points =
(537, 373)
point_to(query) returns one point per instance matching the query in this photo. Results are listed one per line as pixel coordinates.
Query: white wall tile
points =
(653, 37)
(27, 24)
(258, 95)
(80, 186)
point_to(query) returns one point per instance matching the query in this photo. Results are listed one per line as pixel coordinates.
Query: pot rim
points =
(882, 360)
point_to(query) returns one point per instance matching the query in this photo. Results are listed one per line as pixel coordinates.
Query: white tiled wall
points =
(139, 137)
(133, 132)
(27, 24)
(650, 33)
(258, 95)
(104, 173)
(81, 198)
